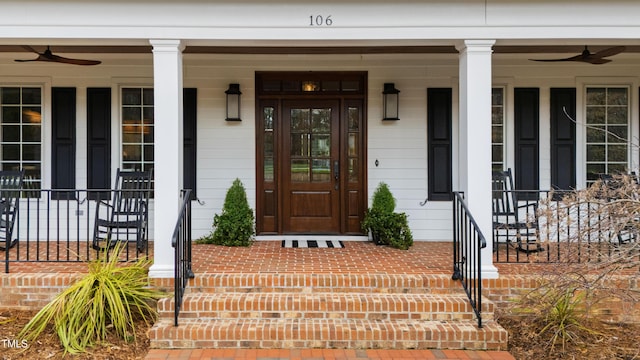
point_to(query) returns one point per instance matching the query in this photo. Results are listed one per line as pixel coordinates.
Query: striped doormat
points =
(312, 244)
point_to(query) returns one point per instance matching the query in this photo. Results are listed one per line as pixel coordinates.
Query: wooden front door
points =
(311, 167)
(310, 152)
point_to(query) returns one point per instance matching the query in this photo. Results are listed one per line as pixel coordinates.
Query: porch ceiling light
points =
(233, 102)
(390, 102)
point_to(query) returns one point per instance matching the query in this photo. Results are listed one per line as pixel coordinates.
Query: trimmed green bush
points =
(383, 200)
(386, 226)
(110, 298)
(234, 226)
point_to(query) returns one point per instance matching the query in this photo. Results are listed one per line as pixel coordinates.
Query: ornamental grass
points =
(112, 297)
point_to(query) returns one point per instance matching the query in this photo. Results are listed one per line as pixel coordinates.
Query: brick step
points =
(328, 333)
(371, 306)
(306, 283)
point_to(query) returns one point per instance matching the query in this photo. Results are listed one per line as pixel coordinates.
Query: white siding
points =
(226, 150)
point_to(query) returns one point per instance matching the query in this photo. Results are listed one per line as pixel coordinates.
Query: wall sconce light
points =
(390, 102)
(233, 102)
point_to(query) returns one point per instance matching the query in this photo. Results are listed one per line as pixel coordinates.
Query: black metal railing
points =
(181, 242)
(59, 226)
(556, 227)
(468, 243)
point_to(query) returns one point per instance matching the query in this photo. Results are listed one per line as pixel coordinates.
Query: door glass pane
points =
(331, 85)
(299, 120)
(268, 113)
(321, 170)
(321, 145)
(350, 85)
(299, 145)
(354, 118)
(300, 170)
(268, 143)
(353, 144)
(321, 120)
(353, 170)
(268, 117)
(268, 169)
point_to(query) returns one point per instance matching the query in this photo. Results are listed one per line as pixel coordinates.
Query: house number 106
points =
(319, 20)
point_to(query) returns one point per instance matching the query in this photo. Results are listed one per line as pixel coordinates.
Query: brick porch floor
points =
(270, 258)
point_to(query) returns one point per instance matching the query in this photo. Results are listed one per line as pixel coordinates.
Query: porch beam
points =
(168, 149)
(475, 139)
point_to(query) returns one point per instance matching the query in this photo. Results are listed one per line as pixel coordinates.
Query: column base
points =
(162, 271)
(489, 272)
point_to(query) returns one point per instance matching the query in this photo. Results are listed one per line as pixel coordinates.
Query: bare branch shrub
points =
(592, 284)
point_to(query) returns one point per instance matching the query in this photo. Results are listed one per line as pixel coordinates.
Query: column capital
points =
(167, 44)
(475, 45)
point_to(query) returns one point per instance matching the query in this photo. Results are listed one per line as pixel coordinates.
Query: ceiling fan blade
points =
(554, 60)
(29, 48)
(41, 57)
(65, 60)
(610, 51)
(47, 56)
(596, 61)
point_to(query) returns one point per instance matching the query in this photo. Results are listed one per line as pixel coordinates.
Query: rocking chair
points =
(124, 217)
(10, 186)
(508, 227)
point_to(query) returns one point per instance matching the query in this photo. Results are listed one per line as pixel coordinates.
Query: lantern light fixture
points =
(233, 102)
(390, 101)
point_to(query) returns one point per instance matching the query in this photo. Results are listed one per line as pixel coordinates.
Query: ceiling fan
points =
(48, 56)
(591, 58)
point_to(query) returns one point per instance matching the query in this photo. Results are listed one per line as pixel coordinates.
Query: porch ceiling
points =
(440, 49)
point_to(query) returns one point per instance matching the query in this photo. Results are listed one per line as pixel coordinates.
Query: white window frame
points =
(582, 82)
(44, 129)
(120, 131)
(504, 126)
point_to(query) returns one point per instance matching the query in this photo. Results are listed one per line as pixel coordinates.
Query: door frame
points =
(272, 89)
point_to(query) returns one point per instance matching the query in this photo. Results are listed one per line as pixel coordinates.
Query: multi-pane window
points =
(137, 128)
(497, 129)
(21, 132)
(607, 128)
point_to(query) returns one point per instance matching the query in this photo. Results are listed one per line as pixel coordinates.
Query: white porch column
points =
(168, 148)
(475, 139)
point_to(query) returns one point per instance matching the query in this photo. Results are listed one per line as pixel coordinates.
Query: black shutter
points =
(190, 107)
(439, 119)
(63, 152)
(98, 139)
(527, 138)
(563, 138)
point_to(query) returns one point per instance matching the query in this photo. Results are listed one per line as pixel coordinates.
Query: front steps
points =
(355, 311)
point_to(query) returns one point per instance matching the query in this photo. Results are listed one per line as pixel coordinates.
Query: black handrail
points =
(468, 243)
(181, 242)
